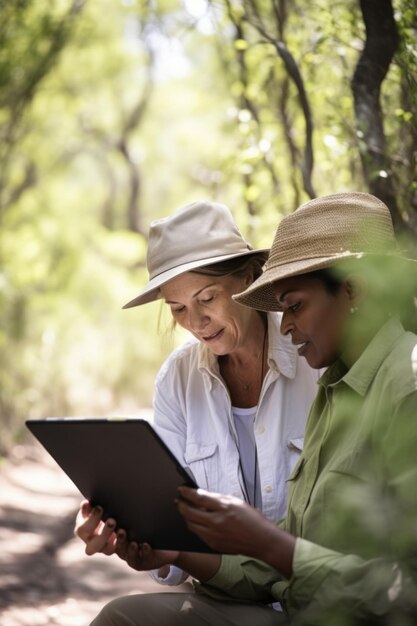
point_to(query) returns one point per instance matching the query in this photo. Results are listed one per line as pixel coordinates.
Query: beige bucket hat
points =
(198, 234)
(320, 233)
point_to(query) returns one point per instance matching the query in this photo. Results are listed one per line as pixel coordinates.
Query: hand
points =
(143, 557)
(225, 523)
(97, 535)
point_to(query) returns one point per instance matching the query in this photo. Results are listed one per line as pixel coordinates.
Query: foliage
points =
(113, 113)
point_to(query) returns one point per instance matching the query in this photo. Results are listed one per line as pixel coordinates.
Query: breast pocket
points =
(294, 449)
(202, 459)
(296, 497)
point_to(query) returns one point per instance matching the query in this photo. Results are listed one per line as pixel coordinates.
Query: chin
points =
(316, 362)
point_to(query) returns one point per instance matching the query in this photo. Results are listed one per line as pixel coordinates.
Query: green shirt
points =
(352, 495)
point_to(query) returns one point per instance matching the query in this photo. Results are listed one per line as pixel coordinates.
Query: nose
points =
(287, 325)
(197, 319)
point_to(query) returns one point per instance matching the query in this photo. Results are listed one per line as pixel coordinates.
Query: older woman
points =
(232, 403)
(346, 551)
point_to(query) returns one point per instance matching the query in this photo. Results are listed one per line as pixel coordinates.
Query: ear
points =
(249, 278)
(356, 289)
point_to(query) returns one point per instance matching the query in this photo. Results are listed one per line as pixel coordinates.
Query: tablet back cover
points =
(123, 466)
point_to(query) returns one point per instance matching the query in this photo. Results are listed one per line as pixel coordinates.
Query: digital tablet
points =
(125, 467)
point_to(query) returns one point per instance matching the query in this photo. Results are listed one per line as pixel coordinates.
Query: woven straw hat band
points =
(320, 233)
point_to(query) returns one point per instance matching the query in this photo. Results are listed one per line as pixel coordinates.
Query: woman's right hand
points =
(101, 537)
(98, 536)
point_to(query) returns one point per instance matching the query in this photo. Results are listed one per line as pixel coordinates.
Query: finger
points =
(86, 528)
(86, 508)
(201, 498)
(209, 535)
(99, 541)
(133, 555)
(146, 552)
(198, 516)
(110, 547)
(83, 512)
(122, 544)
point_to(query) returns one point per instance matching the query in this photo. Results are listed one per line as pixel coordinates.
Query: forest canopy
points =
(114, 113)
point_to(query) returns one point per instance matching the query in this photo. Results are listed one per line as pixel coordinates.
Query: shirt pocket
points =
(202, 459)
(296, 497)
(297, 470)
(296, 444)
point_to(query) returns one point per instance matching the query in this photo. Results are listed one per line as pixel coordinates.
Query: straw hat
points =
(319, 234)
(198, 234)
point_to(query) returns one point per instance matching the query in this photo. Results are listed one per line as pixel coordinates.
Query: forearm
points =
(275, 547)
(230, 526)
(199, 566)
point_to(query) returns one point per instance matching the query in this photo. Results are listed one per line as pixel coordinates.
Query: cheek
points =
(330, 337)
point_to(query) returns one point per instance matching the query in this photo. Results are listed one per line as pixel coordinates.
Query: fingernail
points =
(110, 523)
(97, 510)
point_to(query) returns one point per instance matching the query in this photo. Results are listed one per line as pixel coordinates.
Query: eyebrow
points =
(284, 295)
(194, 294)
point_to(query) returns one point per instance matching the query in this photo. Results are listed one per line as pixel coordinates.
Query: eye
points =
(294, 307)
(178, 310)
(207, 300)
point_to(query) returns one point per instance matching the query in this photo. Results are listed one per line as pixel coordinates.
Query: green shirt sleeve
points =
(325, 581)
(242, 578)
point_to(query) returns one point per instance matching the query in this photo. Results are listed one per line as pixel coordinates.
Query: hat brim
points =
(152, 290)
(260, 294)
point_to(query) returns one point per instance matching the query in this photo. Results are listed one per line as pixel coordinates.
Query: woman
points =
(231, 404)
(346, 552)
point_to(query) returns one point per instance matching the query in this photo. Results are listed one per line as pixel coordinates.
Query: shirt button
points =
(261, 430)
(268, 489)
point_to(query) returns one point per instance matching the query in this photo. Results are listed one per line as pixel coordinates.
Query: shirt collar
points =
(282, 353)
(361, 374)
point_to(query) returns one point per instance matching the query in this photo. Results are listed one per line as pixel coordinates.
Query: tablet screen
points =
(123, 466)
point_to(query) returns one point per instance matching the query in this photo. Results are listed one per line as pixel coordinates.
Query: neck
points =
(361, 330)
(244, 371)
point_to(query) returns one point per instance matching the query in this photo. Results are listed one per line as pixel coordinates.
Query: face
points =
(203, 305)
(314, 317)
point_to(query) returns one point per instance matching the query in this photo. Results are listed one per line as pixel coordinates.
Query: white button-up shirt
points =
(193, 415)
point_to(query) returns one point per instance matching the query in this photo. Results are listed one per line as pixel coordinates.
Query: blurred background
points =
(116, 112)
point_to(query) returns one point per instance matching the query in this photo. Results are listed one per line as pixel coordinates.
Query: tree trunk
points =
(380, 46)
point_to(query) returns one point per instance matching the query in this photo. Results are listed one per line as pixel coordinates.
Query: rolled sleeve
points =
(242, 578)
(325, 580)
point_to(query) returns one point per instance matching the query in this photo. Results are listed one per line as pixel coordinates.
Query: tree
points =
(382, 41)
(32, 38)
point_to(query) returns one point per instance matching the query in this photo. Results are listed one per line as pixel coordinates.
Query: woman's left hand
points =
(225, 523)
(142, 556)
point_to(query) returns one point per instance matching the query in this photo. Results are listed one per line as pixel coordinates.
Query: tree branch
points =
(294, 73)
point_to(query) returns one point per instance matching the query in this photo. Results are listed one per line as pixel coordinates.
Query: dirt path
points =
(45, 578)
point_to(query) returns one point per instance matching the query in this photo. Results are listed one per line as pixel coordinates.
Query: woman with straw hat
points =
(346, 552)
(232, 403)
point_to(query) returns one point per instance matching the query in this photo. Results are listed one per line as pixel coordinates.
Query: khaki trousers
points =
(184, 609)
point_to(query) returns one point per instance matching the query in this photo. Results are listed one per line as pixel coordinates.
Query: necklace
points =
(249, 474)
(246, 386)
(248, 470)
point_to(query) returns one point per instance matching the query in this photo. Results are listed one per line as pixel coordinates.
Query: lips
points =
(301, 346)
(213, 336)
